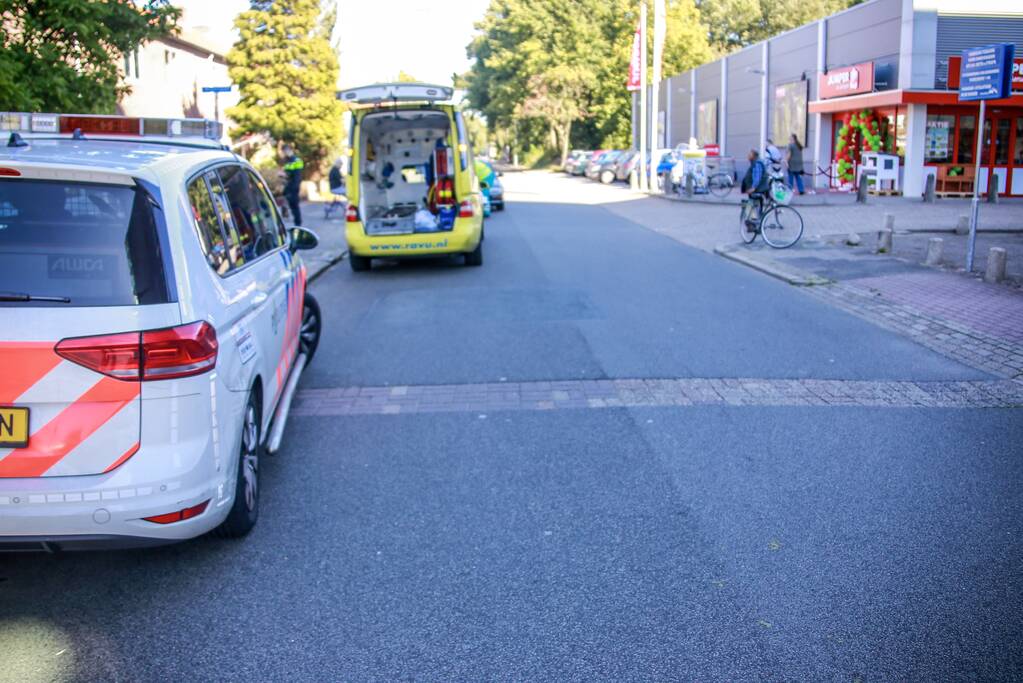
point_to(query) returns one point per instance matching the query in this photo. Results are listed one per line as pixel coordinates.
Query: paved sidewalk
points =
(331, 232)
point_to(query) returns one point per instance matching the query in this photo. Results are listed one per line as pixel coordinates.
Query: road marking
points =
(618, 393)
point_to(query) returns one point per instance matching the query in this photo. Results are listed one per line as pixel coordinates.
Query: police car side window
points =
(248, 220)
(233, 240)
(275, 231)
(208, 226)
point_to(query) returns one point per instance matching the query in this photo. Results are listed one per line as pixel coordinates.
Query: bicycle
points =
(780, 225)
(720, 184)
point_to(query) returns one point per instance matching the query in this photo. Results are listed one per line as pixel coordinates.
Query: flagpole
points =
(655, 87)
(642, 98)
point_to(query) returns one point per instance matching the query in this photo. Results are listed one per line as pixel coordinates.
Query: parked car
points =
(593, 167)
(579, 164)
(606, 170)
(156, 324)
(572, 159)
(626, 163)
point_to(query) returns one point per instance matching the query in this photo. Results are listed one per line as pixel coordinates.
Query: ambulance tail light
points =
(168, 353)
(352, 214)
(465, 209)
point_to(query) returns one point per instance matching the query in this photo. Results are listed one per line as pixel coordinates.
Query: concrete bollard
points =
(992, 189)
(995, 271)
(861, 189)
(929, 194)
(963, 226)
(884, 242)
(934, 246)
(634, 181)
(690, 185)
(889, 222)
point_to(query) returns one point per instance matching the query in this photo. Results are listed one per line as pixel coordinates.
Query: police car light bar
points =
(96, 124)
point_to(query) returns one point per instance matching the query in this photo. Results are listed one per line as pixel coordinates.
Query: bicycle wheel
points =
(720, 184)
(781, 226)
(747, 225)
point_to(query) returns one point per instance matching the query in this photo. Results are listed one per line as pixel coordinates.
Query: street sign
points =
(216, 88)
(986, 72)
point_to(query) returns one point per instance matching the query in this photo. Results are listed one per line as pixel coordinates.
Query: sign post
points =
(216, 90)
(986, 74)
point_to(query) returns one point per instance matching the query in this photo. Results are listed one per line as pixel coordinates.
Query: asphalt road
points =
(686, 543)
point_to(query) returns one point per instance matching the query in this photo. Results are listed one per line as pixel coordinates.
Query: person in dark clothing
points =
(755, 182)
(795, 154)
(293, 166)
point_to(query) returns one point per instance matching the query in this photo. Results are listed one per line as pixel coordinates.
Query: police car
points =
(153, 326)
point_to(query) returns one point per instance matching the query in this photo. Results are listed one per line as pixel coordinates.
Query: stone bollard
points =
(934, 246)
(690, 185)
(992, 189)
(861, 190)
(889, 221)
(634, 181)
(929, 189)
(884, 242)
(963, 226)
(995, 271)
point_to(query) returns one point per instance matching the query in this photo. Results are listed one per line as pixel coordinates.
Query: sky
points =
(378, 38)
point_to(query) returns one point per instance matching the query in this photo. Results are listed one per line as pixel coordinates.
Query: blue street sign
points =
(986, 72)
(217, 88)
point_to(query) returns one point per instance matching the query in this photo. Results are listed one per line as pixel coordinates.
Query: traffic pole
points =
(975, 202)
(655, 86)
(642, 98)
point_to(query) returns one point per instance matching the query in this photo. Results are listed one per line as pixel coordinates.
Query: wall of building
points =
(957, 33)
(166, 80)
(742, 120)
(864, 33)
(678, 87)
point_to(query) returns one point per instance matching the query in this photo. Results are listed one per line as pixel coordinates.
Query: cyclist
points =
(755, 183)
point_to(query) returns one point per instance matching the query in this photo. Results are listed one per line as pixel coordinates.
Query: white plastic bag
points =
(425, 221)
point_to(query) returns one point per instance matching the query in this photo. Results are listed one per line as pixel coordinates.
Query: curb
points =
(768, 266)
(322, 266)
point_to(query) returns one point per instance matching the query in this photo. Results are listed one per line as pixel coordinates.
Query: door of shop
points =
(1002, 152)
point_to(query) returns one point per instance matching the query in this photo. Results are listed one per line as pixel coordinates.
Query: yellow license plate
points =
(13, 427)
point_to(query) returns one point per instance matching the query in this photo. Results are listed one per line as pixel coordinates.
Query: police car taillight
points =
(169, 353)
(351, 214)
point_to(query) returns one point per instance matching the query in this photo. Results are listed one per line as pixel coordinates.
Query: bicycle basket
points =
(781, 193)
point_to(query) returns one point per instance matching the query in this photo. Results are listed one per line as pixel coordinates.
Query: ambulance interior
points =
(397, 168)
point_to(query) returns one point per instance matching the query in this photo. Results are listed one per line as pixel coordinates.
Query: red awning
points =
(888, 98)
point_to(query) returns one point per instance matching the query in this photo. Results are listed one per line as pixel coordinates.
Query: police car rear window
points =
(95, 244)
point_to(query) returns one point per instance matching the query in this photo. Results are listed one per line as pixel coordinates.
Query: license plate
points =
(13, 427)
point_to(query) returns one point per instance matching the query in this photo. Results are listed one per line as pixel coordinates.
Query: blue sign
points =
(217, 88)
(986, 72)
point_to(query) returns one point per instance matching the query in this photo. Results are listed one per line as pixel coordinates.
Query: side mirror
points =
(302, 238)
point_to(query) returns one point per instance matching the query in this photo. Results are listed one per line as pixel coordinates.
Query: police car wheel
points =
(358, 263)
(309, 333)
(245, 509)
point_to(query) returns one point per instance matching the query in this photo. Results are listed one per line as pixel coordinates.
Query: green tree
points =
(64, 55)
(734, 24)
(286, 70)
(404, 77)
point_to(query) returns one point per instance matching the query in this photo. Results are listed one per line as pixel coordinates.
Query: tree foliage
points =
(64, 55)
(553, 71)
(737, 23)
(286, 70)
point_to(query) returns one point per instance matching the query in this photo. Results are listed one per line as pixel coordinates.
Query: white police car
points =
(153, 325)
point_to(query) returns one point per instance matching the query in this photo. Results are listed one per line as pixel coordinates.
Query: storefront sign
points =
(955, 62)
(986, 72)
(846, 80)
(886, 76)
(635, 61)
(712, 150)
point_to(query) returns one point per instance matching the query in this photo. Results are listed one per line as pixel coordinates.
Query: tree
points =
(404, 77)
(287, 71)
(64, 55)
(737, 23)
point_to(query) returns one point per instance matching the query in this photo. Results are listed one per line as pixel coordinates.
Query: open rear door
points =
(396, 92)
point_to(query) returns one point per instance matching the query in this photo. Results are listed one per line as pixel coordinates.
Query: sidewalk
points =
(331, 232)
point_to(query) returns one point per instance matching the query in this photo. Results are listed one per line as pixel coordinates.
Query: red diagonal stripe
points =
(74, 424)
(120, 461)
(24, 364)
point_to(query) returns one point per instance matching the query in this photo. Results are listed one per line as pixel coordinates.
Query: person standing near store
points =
(795, 163)
(293, 166)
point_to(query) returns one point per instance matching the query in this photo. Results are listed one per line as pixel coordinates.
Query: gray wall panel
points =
(864, 33)
(679, 88)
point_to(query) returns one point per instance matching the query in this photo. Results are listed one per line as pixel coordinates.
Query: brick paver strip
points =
(590, 394)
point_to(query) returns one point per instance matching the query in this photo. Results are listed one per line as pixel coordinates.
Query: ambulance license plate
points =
(13, 427)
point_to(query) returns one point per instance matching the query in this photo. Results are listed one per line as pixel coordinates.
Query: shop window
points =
(938, 138)
(1017, 155)
(1002, 141)
(900, 134)
(967, 139)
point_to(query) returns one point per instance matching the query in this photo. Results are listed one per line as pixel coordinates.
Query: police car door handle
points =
(258, 298)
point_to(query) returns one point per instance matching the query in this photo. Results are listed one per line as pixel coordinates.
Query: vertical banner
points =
(635, 60)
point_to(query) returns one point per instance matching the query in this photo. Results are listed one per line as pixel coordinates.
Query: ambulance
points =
(154, 323)
(412, 185)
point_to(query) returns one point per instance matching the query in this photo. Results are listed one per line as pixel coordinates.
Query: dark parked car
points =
(580, 163)
(593, 168)
(606, 171)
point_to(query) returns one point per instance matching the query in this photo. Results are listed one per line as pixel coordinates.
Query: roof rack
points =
(97, 126)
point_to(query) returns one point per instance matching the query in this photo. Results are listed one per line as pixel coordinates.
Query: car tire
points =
(244, 511)
(475, 257)
(607, 177)
(499, 206)
(312, 324)
(359, 263)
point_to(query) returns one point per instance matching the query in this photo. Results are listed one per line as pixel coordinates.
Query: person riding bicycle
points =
(755, 182)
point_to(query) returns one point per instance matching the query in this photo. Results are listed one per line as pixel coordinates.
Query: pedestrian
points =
(795, 162)
(293, 166)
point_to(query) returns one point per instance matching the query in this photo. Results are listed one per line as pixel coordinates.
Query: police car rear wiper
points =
(22, 296)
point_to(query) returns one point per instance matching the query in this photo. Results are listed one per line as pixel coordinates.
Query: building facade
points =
(881, 76)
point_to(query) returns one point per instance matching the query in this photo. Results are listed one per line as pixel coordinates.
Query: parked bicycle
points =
(780, 225)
